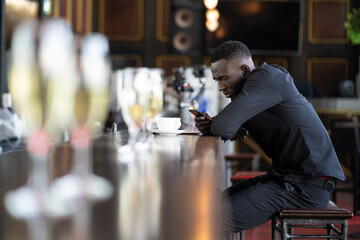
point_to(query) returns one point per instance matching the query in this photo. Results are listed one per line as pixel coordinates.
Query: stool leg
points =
(290, 231)
(344, 230)
(255, 163)
(329, 230)
(274, 229)
(228, 173)
(284, 230)
(237, 236)
(242, 235)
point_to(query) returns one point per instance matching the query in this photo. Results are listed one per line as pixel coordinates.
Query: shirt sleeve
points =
(259, 93)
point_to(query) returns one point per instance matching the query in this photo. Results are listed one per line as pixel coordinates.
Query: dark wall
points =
(327, 56)
(141, 34)
(151, 45)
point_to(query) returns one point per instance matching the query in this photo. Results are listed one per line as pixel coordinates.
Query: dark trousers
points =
(253, 202)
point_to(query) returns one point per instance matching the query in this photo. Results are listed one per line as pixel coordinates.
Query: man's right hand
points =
(203, 124)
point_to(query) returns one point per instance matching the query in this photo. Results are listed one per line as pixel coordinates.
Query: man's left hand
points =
(203, 124)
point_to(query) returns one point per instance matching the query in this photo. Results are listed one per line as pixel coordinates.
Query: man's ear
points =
(245, 69)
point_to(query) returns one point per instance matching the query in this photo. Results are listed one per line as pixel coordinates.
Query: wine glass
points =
(41, 81)
(135, 104)
(90, 111)
(156, 97)
(114, 105)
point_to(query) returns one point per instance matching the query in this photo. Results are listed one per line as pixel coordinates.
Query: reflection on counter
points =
(170, 191)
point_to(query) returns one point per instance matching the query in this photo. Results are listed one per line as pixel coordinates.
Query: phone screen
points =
(198, 114)
(195, 112)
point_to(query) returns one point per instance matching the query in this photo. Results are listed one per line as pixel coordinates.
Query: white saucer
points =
(167, 132)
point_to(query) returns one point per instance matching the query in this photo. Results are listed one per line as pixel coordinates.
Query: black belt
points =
(326, 184)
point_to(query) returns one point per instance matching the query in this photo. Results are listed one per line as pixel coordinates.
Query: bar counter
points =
(169, 191)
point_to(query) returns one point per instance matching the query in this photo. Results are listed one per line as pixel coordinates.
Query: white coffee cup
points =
(168, 123)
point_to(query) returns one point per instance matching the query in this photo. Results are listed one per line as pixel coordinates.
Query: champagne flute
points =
(90, 110)
(41, 81)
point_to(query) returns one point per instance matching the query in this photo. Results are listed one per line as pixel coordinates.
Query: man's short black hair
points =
(230, 50)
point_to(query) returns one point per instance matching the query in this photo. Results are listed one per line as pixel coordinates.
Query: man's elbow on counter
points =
(218, 130)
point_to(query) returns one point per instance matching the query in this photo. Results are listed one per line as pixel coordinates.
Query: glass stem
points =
(133, 134)
(40, 229)
(82, 220)
(83, 161)
(38, 172)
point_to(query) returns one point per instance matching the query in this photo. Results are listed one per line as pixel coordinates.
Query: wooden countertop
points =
(169, 192)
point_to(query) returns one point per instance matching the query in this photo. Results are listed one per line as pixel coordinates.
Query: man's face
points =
(229, 76)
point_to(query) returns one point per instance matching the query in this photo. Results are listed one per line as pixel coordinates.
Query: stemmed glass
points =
(90, 111)
(41, 81)
(135, 103)
(156, 96)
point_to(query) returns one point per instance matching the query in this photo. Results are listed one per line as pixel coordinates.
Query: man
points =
(265, 101)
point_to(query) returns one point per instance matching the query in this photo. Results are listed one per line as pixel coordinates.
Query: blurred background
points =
(315, 40)
(306, 37)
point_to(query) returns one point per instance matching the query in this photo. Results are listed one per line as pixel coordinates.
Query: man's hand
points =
(203, 124)
(240, 134)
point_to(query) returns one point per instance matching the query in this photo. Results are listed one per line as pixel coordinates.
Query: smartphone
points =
(198, 114)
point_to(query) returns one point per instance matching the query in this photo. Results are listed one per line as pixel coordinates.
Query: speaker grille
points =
(187, 27)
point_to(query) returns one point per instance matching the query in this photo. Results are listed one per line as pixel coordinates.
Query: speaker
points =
(187, 27)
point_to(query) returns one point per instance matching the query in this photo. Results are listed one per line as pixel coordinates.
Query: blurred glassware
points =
(90, 111)
(115, 116)
(156, 102)
(95, 70)
(115, 98)
(156, 95)
(135, 105)
(140, 198)
(43, 75)
(41, 82)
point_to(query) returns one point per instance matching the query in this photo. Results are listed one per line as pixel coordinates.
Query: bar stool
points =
(284, 222)
(237, 236)
(245, 175)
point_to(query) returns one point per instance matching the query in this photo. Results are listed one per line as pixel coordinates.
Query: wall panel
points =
(281, 61)
(77, 12)
(120, 61)
(326, 74)
(326, 21)
(171, 62)
(122, 20)
(163, 10)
